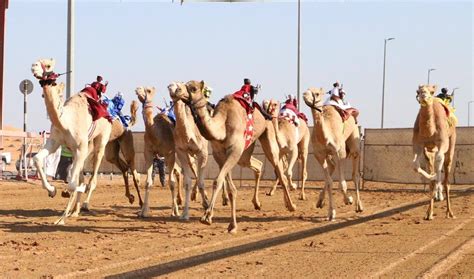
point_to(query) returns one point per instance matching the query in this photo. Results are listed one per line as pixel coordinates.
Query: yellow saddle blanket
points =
(452, 119)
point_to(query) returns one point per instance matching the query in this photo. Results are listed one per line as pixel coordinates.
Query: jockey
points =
(445, 96)
(248, 92)
(99, 87)
(338, 100)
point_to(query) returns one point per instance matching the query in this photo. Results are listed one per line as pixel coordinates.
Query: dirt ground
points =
(389, 239)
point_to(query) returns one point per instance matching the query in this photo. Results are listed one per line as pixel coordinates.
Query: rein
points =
(313, 105)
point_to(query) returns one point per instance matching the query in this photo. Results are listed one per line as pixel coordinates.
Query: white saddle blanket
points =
(339, 104)
(290, 115)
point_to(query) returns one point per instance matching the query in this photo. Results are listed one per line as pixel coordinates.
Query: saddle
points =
(96, 108)
(346, 113)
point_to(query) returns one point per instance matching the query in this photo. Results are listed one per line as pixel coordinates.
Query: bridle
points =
(313, 105)
(146, 104)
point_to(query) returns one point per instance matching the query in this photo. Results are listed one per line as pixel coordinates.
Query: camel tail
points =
(133, 112)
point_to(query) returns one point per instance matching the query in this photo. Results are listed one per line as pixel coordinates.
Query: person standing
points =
(64, 165)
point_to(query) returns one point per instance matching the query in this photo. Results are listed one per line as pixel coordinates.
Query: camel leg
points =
(429, 212)
(278, 180)
(356, 179)
(233, 154)
(225, 196)
(77, 208)
(145, 209)
(112, 155)
(179, 186)
(80, 155)
(271, 151)
(418, 151)
(342, 181)
(256, 166)
(288, 169)
(328, 189)
(170, 163)
(99, 149)
(50, 147)
(184, 158)
(330, 167)
(304, 174)
(201, 167)
(128, 152)
(232, 228)
(447, 168)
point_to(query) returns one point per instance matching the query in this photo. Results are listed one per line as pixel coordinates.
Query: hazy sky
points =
(132, 43)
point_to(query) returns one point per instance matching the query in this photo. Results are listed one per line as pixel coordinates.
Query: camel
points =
(293, 142)
(159, 140)
(72, 126)
(225, 130)
(188, 142)
(334, 140)
(434, 133)
(121, 141)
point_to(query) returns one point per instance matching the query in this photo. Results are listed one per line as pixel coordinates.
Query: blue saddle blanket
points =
(114, 107)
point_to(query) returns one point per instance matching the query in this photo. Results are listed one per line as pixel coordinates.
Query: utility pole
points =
(429, 71)
(3, 11)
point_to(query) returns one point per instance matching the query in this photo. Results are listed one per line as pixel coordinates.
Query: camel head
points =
(42, 67)
(272, 107)
(425, 93)
(145, 94)
(194, 91)
(178, 91)
(313, 97)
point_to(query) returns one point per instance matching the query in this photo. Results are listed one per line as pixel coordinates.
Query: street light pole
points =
(383, 80)
(429, 71)
(70, 49)
(469, 113)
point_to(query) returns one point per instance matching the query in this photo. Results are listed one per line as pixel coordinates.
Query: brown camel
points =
(71, 126)
(334, 140)
(188, 143)
(121, 141)
(435, 134)
(225, 130)
(159, 140)
(293, 142)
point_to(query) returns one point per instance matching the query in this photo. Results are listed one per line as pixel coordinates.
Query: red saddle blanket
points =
(244, 101)
(96, 108)
(346, 113)
(295, 110)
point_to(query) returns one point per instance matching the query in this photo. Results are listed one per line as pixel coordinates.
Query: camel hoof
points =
(291, 207)
(439, 197)
(85, 207)
(65, 194)
(53, 193)
(60, 222)
(320, 204)
(429, 217)
(272, 191)
(332, 216)
(193, 196)
(225, 202)
(206, 219)
(232, 228)
(293, 186)
(175, 212)
(184, 217)
(75, 214)
(450, 215)
(257, 205)
(349, 200)
(359, 208)
(302, 197)
(144, 213)
(131, 199)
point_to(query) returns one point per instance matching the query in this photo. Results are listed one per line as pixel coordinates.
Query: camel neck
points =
(53, 105)
(320, 127)
(148, 115)
(276, 127)
(426, 120)
(183, 120)
(211, 127)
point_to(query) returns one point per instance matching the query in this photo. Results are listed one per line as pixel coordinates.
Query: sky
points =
(152, 43)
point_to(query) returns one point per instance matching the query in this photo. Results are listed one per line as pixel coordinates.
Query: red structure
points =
(3, 9)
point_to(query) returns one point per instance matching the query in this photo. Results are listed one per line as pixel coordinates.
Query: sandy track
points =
(390, 239)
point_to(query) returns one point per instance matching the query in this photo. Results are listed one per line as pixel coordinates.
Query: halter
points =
(313, 105)
(147, 104)
(424, 103)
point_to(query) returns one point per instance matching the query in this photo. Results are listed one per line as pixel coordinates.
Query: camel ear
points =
(203, 84)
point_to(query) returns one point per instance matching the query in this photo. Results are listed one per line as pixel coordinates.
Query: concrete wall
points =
(387, 156)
